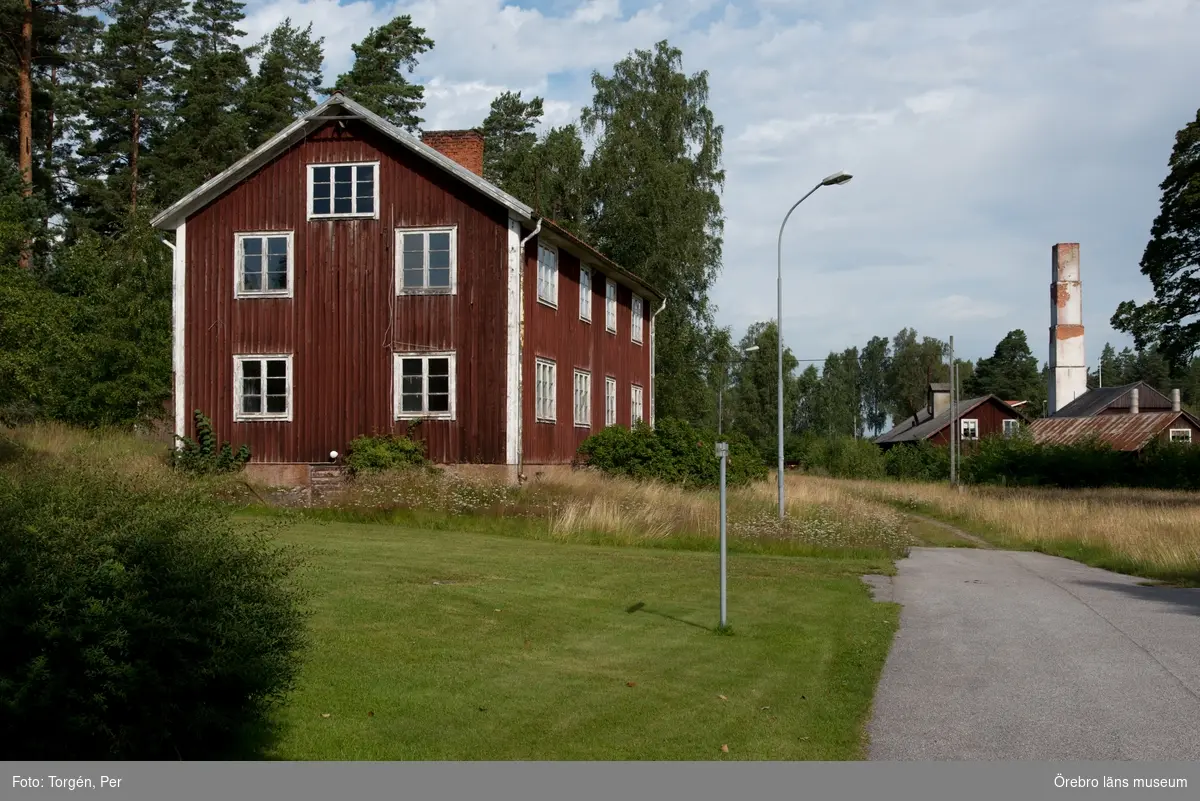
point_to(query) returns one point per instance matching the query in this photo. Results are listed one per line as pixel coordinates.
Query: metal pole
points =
(722, 454)
(720, 407)
(953, 464)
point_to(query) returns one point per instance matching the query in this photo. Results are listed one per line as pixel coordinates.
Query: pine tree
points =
(289, 74)
(1011, 372)
(377, 78)
(509, 139)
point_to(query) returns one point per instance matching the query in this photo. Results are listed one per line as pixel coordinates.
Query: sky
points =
(979, 134)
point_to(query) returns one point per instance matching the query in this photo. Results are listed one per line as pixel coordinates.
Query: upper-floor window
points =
(423, 384)
(636, 325)
(610, 306)
(970, 428)
(262, 387)
(343, 190)
(264, 264)
(585, 294)
(548, 275)
(426, 261)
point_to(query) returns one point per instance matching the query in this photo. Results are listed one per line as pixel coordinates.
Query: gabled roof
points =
(337, 106)
(1094, 401)
(1124, 432)
(924, 424)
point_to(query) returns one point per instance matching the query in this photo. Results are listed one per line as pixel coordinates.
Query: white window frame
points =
(547, 280)
(583, 398)
(636, 323)
(398, 360)
(398, 258)
(545, 407)
(585, 294)
(243, 417)
(637, 409)
(962, 428)
(610, 401)
(374, 215)
(610, 305)
(239, 264)
(1171, 435)
(1011, 427)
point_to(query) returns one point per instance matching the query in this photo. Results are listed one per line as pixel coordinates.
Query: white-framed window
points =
(1181, 435)
(546, 383)
(548, 275)
(424, 385)
(427, 261)
(1011, 427)
(610, 306)
(585, 294)
(583, 398)
(635, 405)
(636, 319)
(265, 264)
(262, 388)
(610, 401)
(969, 428)
(343, 190)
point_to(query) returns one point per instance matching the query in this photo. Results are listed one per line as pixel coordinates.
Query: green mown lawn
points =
(436, 645)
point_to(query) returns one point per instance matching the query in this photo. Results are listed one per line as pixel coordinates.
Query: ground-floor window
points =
(262, 387)
(424, 385)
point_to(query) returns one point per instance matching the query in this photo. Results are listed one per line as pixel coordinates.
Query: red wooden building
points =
(978, 418)
(350, 278)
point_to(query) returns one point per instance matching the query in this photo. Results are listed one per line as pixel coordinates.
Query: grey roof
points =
(336, 105)
(1094, 401)
(925, 425)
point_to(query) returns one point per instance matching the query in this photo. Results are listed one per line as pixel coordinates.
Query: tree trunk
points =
(25, 114)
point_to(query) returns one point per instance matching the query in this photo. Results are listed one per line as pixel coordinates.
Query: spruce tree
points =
(377, 78)
(289, 74)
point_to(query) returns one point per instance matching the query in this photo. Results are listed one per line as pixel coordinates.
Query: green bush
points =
(385, 452)
(671, 452)
(918, 461)
(839, 457)
(202, 456)
(137, 623)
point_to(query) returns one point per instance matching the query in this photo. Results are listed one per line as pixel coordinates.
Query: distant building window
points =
(610, 401)
(635, 398)
(583, 398)
(970, 429)
(424, 385)
(264, 264)
(1011, 427)
(585, 294)
(548, 275)
(636, 319)
(426, 261)
(610, 306)
(262, 387)
(1181, 435)
(544, 390)
(342, 190)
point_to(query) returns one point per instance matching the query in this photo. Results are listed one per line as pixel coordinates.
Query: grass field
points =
(448, 645)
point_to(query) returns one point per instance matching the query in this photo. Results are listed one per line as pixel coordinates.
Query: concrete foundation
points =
(267, 474)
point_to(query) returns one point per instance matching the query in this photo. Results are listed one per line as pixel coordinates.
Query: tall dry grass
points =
(1150, 532)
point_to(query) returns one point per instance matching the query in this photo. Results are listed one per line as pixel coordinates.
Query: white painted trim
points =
(610, 382)
(552, 302)
(238, 265)
(653, 354)
(553, 416)
(1172, 432)
(613, 302)
(637, 318)
(308, 199)
(586, 420)
(178, 320)
(238, 415)
(398, 259)
(397, 388)
(591, 292)
(512, 374)
(636, 390)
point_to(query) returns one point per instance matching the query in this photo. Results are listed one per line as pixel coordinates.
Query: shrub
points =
(918, 461)
(386, 452)
(672, 452)
(202, 456)
(839, 457)
(136, 623)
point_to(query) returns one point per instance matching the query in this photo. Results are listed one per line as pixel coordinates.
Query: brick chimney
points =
(465, 147)
(1068, 365)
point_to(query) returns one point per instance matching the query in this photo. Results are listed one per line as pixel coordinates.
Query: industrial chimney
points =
(1068, 360)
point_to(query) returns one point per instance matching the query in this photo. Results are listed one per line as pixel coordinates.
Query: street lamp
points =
(836, 179)
(721, 390)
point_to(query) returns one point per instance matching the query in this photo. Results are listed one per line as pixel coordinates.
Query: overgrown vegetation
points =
(202, 455)
(375, 454)
(138, 622)
(672, 452)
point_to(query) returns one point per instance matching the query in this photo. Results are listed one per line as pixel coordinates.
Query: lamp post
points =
(721, 391)
(833, 180)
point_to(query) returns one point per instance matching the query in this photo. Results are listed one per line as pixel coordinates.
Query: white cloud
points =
(979, 133)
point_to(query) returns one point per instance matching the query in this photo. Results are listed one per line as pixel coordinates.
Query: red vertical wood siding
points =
(344, 320)
(572, 343)
(991, 416)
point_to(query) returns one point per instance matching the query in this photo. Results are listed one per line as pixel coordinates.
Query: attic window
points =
(1181, 435)
(970, 429)
(1010, 427)
(343, 190)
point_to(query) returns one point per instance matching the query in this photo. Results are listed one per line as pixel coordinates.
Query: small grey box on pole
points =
(723, 455)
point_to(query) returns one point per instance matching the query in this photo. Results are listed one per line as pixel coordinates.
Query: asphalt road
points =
(1004, 655)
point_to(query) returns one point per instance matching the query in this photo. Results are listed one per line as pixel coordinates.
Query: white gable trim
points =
(512, 425)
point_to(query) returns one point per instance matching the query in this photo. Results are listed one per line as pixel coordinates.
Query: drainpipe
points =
(653, 317)
(521, 353)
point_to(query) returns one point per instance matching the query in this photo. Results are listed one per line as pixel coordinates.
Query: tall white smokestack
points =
(1068, 360)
